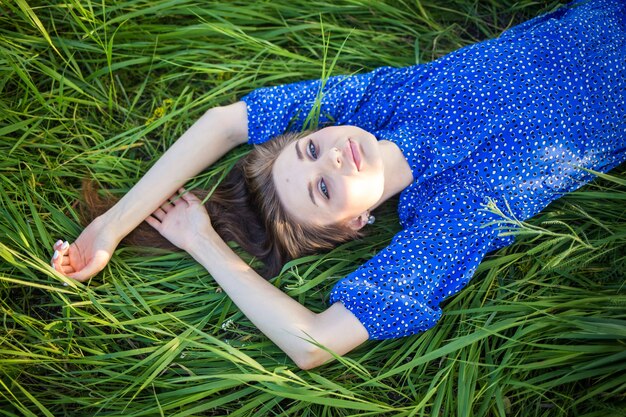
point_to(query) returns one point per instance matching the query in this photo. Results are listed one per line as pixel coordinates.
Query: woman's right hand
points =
(89, 254)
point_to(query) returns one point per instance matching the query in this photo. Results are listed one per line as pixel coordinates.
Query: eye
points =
(312, 150)
(324, 188)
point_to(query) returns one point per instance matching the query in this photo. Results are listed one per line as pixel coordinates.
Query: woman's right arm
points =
(219, 130)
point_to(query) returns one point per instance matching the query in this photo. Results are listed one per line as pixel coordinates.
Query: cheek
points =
(364, 192)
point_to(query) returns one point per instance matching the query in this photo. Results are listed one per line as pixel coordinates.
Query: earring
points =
(371, 219)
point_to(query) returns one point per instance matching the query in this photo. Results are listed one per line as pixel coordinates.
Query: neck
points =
(398, 174)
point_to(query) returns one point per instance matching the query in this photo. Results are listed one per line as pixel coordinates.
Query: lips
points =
(356, 156)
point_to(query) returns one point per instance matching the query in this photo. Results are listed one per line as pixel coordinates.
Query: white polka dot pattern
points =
(512, 119)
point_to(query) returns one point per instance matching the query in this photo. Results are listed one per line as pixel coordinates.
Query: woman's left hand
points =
(182, 219)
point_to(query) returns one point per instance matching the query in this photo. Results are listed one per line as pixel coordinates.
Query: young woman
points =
(515, 121)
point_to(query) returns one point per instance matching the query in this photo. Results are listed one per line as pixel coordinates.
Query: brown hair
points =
(245, 208)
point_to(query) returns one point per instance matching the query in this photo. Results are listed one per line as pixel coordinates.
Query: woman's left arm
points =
(290, 325)
(285, 321)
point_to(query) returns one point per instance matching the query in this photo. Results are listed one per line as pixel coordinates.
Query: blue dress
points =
(509, 121)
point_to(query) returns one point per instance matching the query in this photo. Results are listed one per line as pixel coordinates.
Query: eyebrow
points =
(299, 152)
(309, 185)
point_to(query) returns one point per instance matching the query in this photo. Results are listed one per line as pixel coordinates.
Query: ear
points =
(358, 223)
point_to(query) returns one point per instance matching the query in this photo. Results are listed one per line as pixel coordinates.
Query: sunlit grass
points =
(100, 91)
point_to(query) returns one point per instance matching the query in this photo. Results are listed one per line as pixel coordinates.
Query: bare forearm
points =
(286, 322)
(277, 315)
(209, 138)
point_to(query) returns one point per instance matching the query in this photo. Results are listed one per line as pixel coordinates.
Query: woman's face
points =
(333, 175)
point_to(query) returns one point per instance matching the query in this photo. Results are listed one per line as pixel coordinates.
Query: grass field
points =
(95, 90)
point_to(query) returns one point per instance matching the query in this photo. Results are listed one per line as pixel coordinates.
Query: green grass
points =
(89, 90)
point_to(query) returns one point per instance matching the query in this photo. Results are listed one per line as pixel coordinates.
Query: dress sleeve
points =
(364, 100)
(398, 292)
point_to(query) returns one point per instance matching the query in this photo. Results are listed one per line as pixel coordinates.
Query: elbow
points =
(232, 119)
(310, 358)
(306, 364)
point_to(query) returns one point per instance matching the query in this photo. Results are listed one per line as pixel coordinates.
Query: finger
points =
(167, 206)
(178, 200)
(57, 245)
(65, 247)
(159, 214)
(94, 266)
(65, 260)
(57, 257)
(68, 269)
(188, 196)
(153, 222)
(62, 269)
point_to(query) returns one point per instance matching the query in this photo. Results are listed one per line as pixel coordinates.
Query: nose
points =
(335, 158)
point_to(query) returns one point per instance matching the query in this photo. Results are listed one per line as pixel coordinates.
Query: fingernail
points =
(58, 242)
(65, 284)
(56, 255)
(66, 245)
